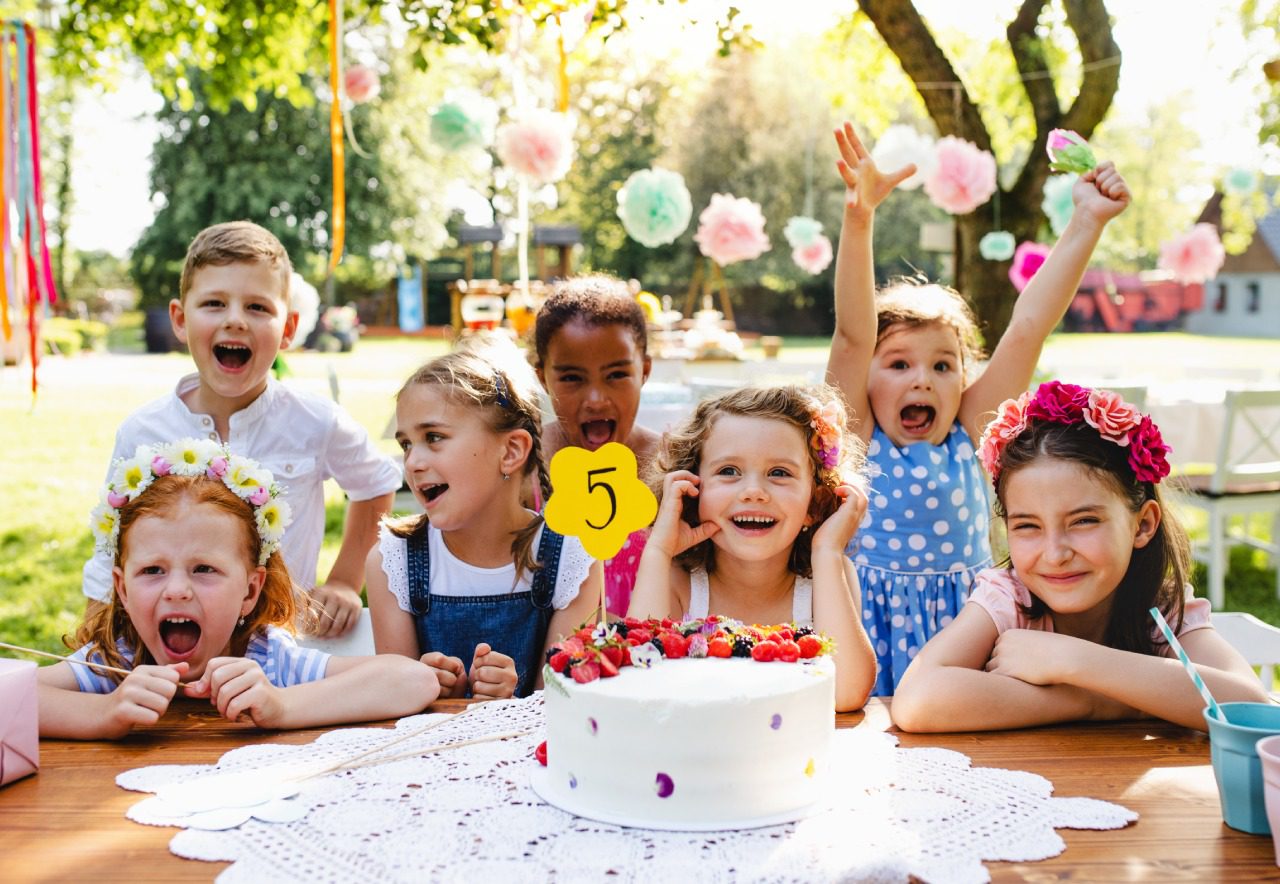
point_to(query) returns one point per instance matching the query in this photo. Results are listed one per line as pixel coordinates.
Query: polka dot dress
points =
(922, 541)
(620, 573)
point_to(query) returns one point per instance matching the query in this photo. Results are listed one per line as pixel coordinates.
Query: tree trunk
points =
(986, 283)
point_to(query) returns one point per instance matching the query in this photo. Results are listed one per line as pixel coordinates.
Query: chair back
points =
(1249, 447)
(1134, 395)
(1257, 642)
(358, 642)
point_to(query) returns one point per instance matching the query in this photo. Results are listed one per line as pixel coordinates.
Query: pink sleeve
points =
(1000, 594)
(1195, 613)
(620, 573)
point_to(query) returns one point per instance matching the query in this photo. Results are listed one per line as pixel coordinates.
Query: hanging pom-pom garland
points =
(1057, 204)
(1240, 181)
(900, 145)
(731, 229)
(538, 145)
(810, 250)
(997, 246)
(1028, 258)
(654, 206)
(464, 119)
(964, 178)
(1194, 256)
(361, 83)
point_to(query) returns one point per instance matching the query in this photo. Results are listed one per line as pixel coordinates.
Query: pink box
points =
(19, 723)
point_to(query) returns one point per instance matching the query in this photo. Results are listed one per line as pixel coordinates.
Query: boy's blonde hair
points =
(499, 387)
(106, 624)
(801, 407)
(912, 302)
(232, 243)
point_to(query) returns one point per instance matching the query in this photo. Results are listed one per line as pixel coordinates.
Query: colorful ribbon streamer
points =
(335, 134)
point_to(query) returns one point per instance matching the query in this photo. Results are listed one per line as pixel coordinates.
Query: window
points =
(1255, 297)
(1220, 305)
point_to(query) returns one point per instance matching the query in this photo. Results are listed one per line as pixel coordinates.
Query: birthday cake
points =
(698, 725)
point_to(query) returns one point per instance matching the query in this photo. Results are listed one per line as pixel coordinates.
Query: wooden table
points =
(68, 822)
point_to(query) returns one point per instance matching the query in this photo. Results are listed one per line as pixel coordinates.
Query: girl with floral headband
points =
(906, 359)
(203, 603)
(759, 492)
(1063, 631)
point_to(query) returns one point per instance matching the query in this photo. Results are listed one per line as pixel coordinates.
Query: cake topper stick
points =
(598, 498)
(72, 660)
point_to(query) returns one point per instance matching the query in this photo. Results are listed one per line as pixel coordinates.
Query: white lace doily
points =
(469, 815)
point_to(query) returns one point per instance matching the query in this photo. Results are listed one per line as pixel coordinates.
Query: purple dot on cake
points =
(776, 721)
(592, 726)
(573, 781)
(664, 785)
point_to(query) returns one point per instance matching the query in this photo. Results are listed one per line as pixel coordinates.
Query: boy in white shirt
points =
(233, 312)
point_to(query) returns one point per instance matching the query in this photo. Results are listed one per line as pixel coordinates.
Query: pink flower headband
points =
(192, 457)
(1115, 420)
(827, 422)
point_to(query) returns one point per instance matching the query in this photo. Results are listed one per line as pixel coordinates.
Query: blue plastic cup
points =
(1236, 766)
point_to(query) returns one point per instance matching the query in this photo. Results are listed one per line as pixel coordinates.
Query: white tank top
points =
(700, 598)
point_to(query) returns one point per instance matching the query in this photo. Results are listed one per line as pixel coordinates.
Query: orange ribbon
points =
(335, 137)
(5, 326)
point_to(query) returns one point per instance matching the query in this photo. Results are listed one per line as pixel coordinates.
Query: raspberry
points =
(742, 646)
(765, 652)
(675, 645)
(782, 634)
(810, 646)
(559, 660)
(788, 652)
(719, 647)
(541, 753)
(585, 672)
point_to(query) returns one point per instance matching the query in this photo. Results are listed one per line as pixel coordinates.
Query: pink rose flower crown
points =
(1115, 420)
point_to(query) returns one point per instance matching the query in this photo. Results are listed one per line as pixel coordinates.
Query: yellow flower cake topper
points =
(598, 498)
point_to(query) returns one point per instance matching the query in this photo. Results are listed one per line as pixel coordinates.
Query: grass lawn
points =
(57, 449)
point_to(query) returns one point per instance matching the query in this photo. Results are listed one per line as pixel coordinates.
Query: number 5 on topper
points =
(597, 498)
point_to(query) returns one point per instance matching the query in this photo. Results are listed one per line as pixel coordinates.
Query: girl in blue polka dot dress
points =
(903, 358)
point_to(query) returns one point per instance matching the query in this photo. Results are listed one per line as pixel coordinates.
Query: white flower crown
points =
(192, 457)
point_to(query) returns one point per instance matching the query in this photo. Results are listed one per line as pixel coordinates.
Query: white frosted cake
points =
(690, 743)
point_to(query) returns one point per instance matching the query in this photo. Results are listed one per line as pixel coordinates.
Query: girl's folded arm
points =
(360, 689)
(946, 689)
(393, 629)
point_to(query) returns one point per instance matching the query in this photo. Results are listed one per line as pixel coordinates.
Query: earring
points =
(505, 477)
(241, 623)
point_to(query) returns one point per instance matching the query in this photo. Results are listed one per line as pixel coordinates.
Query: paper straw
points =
(1186, 664)
(72, 660)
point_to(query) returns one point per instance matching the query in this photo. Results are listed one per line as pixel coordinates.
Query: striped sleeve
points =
(284, 662)
(91, 681)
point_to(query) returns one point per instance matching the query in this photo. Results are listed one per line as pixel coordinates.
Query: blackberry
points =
(742, 646)
(621, 628)
(802, 631)
(551, 652)
(657, 643)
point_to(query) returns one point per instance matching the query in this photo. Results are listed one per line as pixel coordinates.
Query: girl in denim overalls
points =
(477, 586)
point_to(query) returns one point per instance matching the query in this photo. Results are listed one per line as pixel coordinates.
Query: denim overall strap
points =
(544, 579)
(419, 566)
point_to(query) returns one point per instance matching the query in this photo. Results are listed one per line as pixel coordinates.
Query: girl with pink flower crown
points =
(904, 359)
(759, 493)
(203, 606)
(1063, 632)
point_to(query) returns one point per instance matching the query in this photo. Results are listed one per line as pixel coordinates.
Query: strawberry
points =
(783, 633)
(572, 646)
(633, 623)
(639, 636)
(626, 656)
(788, 651)
(719, 647)
(674, 645)
(541, 753)
(613, 654)
(764, 652)
(585, 672)
(668, 623)
(810, 646)
(608, 669)
(559, 660)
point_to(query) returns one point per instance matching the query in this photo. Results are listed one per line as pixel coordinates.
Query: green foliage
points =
(73, 335)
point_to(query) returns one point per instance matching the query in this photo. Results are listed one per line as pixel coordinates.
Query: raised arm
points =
(1099, 196)
(837, 608)
(946, 687)
(854, 340)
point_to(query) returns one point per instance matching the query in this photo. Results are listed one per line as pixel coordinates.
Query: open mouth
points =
(180, 636)
(232, 355)
(753, 523)
(597, 433)
(431, 493)
(917, 419)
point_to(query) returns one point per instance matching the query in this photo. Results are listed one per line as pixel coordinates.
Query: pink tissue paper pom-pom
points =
(814, 257)
(1026, 261)
(539, 146)
(965, 176)
(1194, 256)
(731, 229)
(361, 83)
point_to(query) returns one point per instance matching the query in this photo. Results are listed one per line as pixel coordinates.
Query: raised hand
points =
(493, 675)
(1101, 194)
(143, 696)
(836, 532)
(671, 534)
(867, 187)
(339, 606)
(450, 672)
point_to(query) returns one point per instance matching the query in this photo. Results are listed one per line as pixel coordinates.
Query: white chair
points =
(1134, 395)
(1245, 480)
(1257, 642)
(356, 643)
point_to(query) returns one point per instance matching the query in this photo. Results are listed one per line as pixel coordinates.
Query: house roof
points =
(1263, 252)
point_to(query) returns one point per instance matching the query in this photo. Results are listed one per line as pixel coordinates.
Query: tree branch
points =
(908, 37)
(1028, 53)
